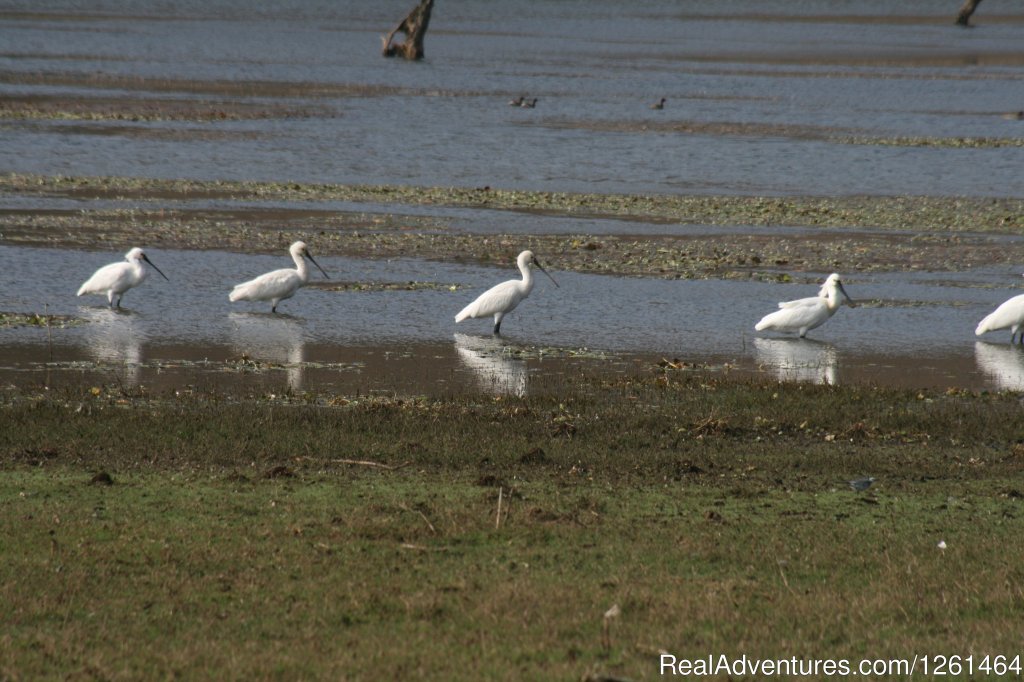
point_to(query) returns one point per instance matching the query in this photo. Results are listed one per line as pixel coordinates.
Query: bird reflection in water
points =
(271, 338)
(798, 359)
(112, 339)
(1003, 364)
(495, 370)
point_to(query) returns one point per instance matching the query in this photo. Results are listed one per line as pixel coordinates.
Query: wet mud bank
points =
(683, 237)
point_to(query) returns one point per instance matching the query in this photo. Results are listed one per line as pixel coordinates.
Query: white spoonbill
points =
(805, 314)
(502, 299)
(1010, 315)
(280, 284)
(117, 278)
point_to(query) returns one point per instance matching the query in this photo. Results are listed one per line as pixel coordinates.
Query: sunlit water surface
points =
(911, 330)
(794, 82)
(763, 98)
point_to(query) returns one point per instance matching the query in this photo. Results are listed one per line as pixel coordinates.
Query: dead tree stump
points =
(963, 18)
(414, 26)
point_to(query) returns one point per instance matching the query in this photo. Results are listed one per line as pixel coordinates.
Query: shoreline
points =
(767, 237)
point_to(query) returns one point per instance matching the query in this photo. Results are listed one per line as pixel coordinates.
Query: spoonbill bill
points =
(117, 278)
(280, 284)
(805, 314)
(1009, 315)
(502, 299)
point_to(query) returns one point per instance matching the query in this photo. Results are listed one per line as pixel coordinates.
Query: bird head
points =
(300, 250)
(527, 260)
(834, 285)
(137, 254)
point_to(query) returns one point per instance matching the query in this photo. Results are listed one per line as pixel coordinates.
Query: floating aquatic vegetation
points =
(383, 286)
(37, 320)
(951, 142)
(528, 352)
(778, 236)
(900, 212)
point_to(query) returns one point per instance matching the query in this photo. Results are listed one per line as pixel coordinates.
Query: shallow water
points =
(809, 70)
(763, 98)
(911, 330)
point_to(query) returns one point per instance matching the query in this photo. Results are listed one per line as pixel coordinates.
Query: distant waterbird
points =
(280, 284)
(517, 102)
(117, 278)
(660, 104)
(502, 299)
(528, 103)
(859, 485)
(805, 314)
(1009, 315)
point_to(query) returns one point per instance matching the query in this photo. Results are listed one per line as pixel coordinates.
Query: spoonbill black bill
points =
(805, 314)
(117, 278)
(503, 298)
(280, 284)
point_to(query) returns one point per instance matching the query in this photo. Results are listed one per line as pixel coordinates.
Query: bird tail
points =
(89, 287)
(465, 313)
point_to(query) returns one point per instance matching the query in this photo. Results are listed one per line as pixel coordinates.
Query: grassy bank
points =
(235, 536)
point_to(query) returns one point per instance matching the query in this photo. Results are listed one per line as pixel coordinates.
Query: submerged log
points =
(963, 18)
(414, 26)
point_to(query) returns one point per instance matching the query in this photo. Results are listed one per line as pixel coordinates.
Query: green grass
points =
(233, 543)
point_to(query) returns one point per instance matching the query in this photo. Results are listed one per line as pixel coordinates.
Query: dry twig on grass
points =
(369, 463)
(422, 515)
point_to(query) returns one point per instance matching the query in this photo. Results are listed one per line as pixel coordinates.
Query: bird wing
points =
(112, 276)
(811, 300)
(277, 284)
(499, 298)
(796, 317)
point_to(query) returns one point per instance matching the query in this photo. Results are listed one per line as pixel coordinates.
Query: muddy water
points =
(914, 330)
